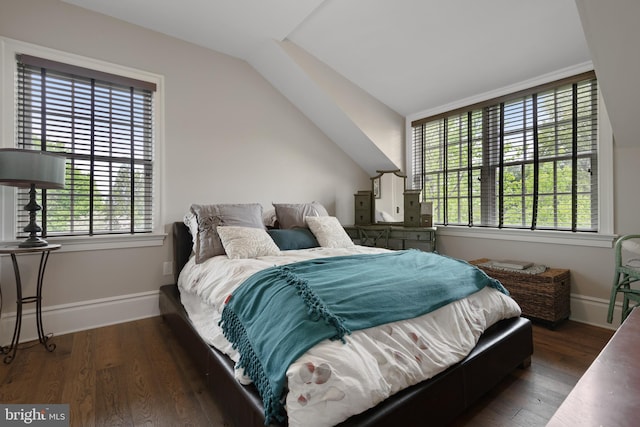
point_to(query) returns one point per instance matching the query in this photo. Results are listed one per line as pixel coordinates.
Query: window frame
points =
(604, 237)
(8, 118)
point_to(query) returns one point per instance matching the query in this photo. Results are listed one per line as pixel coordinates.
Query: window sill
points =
(531, 236)
(92, 243)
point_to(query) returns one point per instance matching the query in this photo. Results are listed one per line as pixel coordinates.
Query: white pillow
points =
(246, 242)
(329, 232)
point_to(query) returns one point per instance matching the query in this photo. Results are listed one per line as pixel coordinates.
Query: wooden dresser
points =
(393, 236)
(608, 394)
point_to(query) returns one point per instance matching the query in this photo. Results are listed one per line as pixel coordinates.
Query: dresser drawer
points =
(363, 217)
(363, 207)
(412, 208)
(393, 236)
(411, 235)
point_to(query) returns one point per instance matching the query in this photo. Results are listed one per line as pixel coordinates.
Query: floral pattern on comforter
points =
(333, 381)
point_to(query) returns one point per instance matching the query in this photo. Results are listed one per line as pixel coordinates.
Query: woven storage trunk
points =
(543, 296)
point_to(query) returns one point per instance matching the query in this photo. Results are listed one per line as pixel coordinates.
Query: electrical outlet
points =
(167, 268)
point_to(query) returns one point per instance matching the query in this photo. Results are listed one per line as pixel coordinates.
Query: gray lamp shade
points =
(32, 169)
(21, 168)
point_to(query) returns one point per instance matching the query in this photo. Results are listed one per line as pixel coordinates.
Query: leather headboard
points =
(182, 247)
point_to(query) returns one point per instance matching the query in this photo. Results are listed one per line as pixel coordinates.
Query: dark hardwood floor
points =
(135, 374)
(529, 397)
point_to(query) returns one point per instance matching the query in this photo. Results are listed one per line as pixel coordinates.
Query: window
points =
(103, 124)
(523, 161)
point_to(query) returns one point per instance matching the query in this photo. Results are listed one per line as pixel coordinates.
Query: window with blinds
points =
(103, 125)
(527, 160)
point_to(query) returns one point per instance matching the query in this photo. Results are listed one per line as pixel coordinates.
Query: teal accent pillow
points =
(293, 238)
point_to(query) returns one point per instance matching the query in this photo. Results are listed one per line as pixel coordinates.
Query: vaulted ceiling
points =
(358, 68)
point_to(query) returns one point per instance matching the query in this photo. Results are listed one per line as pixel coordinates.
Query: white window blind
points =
(526, 160)
(103, 124)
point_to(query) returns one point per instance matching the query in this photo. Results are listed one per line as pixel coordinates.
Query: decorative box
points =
(544, 296)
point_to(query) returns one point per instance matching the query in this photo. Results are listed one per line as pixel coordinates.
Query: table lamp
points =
(31, 169)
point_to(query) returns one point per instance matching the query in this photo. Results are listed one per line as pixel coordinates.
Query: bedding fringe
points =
(234, 332)
(316, 308)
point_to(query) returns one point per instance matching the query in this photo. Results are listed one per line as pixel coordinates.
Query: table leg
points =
(42, 337)
(10, 350)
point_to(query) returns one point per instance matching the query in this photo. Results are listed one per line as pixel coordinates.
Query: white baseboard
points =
(83, 315)
(68, 318)
(593, 311)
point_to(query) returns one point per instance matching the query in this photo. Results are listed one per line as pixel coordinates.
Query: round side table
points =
(10, 351)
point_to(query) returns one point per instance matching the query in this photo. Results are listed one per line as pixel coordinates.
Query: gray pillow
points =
(291, 215)
(209, 217)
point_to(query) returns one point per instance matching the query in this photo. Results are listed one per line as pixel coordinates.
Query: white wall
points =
(229, 136)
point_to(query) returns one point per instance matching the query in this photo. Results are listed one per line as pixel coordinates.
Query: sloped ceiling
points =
(401, 57)
(417, 55)
(613, 37)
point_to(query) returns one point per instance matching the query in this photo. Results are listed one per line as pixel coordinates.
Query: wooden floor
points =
(134, 374)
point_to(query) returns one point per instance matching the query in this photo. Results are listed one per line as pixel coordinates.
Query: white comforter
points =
(333, 381)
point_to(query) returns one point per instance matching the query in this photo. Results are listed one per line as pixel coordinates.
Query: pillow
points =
(382, 216)
(292, 215)
(293, 238)
(329, 232)
(209, 217)
(269, 218)
(246, 242)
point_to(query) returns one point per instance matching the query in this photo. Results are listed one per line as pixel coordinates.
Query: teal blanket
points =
(279, 313)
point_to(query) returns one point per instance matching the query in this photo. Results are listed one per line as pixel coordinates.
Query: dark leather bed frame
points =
(501, 349)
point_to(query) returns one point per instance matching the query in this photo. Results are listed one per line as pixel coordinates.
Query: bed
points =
(501, 348)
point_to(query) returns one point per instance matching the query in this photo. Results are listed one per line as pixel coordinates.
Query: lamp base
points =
(33, 242)
(32, 228)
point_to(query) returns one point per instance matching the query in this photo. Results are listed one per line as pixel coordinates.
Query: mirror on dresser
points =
(388, 188)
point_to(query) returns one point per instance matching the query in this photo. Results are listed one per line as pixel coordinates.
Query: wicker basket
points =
(543, 296)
